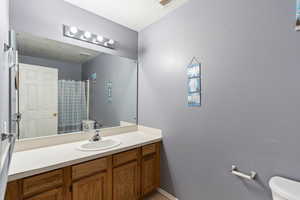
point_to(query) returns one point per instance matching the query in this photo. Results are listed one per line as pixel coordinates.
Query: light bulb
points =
(87, 35)
(73, 30)
(111, 41)
(100, 38)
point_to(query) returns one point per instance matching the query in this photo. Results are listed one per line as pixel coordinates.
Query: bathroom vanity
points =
(127, 172)
(65, 93)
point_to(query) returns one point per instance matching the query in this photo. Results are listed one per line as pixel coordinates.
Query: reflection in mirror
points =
(65, 88)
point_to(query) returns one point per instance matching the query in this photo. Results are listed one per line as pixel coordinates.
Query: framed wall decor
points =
(108, 86)
(194, 83)
(298, 16)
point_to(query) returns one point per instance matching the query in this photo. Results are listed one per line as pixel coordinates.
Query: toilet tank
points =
(284, 189)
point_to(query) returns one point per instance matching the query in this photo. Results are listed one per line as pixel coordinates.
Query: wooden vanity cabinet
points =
(91, 180)
(47, 186)
(14, 194)
(42, 183)
(128, 175)
(150, 168)
(13, 191)
(55, 194)
(91, 188)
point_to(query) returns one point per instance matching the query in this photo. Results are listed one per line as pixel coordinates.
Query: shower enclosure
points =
(72, 105)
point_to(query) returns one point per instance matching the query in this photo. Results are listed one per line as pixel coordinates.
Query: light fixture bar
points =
(86, 36)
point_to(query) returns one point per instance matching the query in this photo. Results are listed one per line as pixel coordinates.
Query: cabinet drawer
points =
(88, 168)
(125, 157)
(43, 182)
(148, 149)
(55, 194)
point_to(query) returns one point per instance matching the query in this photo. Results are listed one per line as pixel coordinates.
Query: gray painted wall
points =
(123, 74)
(67, 70)
(45, 19)
(250, 53)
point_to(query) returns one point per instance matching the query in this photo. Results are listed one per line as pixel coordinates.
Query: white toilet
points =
(284, 189)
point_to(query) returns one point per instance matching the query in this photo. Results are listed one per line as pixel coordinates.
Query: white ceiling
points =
(134, 14)
(30, 45)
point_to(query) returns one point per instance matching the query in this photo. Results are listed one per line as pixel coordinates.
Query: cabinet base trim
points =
(166, 194)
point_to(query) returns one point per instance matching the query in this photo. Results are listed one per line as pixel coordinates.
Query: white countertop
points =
(36, 161)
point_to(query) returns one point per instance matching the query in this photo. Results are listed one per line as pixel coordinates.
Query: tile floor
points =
(156, 196)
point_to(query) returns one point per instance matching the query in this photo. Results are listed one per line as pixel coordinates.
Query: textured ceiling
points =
(29, 45)
(134, 14)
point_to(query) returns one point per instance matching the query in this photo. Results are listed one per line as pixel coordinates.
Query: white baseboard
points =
(166, 194)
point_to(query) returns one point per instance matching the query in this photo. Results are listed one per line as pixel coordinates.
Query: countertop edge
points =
(13, 177)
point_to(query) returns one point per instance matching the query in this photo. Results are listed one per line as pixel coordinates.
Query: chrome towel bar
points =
(234, 170)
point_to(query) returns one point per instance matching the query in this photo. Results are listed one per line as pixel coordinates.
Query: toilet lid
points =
(286, 188)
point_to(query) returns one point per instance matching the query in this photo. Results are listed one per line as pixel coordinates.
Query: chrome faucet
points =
(97, 137)
(97, 125)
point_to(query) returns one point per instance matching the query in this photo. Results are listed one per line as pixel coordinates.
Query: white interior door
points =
(38, 100)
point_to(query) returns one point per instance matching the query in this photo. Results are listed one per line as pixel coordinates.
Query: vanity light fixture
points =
(86, 36)
(100, 38)
(111, 41)
(73, 30)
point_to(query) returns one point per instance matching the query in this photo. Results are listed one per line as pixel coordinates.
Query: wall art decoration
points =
(108, 86)
(298, 16)
(93, 77)
(194, 83)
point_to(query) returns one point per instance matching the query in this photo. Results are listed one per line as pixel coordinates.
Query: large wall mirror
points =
(65, 88)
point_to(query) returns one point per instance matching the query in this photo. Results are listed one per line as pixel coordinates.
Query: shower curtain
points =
(72, 105)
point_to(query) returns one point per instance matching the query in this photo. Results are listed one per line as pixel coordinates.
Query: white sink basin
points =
(100, 145)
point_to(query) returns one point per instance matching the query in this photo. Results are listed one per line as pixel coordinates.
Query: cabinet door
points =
(126, 181)
(12, 191)
(149, 174)
(56, 194)
(91, 188)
